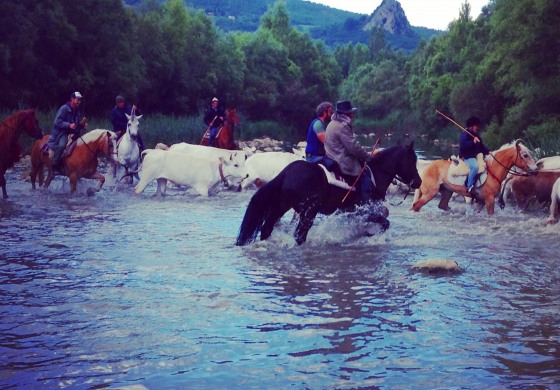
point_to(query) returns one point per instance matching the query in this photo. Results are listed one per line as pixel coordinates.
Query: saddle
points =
(459, 170)
(345, 182)
(207, 132)
(70, 146)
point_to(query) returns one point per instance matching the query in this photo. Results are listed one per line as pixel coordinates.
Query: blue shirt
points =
(314, 146)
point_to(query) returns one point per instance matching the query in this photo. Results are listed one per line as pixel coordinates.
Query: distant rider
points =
(66, 122)
(120, 121)
(214, 117)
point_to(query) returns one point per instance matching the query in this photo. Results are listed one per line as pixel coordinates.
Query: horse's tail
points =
(261, 205)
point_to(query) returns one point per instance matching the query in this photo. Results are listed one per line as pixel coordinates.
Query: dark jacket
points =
(118, 117)
(212, 113)
(468, 148)
(61, 126)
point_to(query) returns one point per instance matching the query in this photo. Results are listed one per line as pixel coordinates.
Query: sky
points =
(436, 14)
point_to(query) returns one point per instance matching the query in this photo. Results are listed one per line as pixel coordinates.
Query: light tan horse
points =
(434, 178)
(82, 163)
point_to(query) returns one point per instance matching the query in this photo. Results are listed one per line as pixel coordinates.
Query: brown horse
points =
(224, 137)
(10, 130)
(435, 179)
(82, 163)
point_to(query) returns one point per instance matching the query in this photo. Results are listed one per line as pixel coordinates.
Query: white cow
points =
(209, 152)
(554, 202)
(549, 163)
(203, 174)
(263, 167)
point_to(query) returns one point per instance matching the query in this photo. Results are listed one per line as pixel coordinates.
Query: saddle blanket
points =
(335, 180)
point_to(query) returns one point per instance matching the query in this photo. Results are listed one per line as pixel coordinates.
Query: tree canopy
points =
(502, 65)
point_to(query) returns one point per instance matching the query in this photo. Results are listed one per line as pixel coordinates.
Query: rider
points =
(214, 118)
(120, 121)
(68, 121)
(341, 146)
(470, 144)
(315, 150)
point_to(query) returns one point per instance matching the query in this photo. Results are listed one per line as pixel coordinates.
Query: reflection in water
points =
(117, 290)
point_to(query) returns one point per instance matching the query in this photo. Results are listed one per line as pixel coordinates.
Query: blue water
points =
(118, 290)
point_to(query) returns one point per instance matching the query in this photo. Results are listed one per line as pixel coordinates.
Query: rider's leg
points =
(58, 150)
(211, 139)
(364, 188)
(473, 170)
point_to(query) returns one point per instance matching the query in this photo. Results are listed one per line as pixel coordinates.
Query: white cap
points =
(215, 99)
(76, 95)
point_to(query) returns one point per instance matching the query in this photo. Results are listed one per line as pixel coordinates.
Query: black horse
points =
(303, 187)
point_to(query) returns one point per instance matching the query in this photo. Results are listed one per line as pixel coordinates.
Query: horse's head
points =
(524, 160)
(133, 125)
(31, 124)
(112, 147)
(407, 169)
(231, 116)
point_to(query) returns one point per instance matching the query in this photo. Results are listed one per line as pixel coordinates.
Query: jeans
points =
(212, 138)
(312, 158)
(59, 149)
(472, 163)
(364, 187)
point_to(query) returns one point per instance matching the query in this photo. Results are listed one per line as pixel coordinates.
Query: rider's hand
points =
(476, 139)
(72, 126)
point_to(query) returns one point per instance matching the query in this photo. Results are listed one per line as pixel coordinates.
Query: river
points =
(138, 292)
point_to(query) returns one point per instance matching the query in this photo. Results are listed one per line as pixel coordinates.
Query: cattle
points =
(538, 186)
(554, 202)
(203, 174)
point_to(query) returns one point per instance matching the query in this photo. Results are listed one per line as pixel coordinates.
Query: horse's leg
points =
(161, 186)
(307, 212)
(3, 184)
(553, 216)
(101, 179)
(445, 197)
(427, 193)
(50, 177)
(273, 216)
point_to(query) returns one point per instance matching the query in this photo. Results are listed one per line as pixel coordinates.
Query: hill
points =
(331, 25)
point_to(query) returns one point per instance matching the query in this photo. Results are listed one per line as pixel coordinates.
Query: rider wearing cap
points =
(342, 147)
(120, 121)
(214, 118)
(67, 121)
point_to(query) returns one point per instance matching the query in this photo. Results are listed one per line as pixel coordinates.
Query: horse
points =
(10, 130)
(304, 187)
(82, 163)
(128, 151)
(224, 137)
(435, 178)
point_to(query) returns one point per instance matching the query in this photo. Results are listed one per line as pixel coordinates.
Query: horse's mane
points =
(385, 153)
(93, 136)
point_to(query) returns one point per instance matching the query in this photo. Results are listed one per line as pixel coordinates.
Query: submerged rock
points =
(438, 266)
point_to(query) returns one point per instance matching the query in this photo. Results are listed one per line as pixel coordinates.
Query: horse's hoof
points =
(90, 192)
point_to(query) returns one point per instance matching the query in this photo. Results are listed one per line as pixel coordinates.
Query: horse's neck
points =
(501, 164)
(11, 129)
(383, 175)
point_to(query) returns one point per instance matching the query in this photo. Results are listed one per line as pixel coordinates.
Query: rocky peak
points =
(391, 17)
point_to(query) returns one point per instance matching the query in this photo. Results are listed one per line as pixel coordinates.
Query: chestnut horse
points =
(82, 163)
(434, 178)
(224, 136)
(10, 130)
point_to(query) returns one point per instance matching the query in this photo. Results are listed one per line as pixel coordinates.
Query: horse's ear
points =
(127, 116)
(412, 145)
(138, 117)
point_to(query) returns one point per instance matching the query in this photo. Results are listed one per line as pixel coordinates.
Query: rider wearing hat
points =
(214, 118)
(66, 122)
(120, 121)
(470, 145)
(341, 146)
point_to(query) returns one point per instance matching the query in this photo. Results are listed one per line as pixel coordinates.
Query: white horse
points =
(263, 167)
(203, 174)
(128, 151)
(551, 163)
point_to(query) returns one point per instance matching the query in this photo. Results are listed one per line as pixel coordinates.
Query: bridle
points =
(509, 169)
